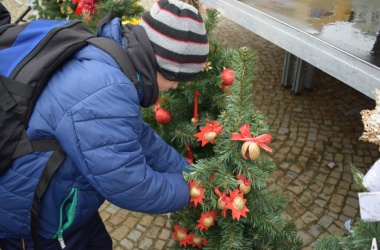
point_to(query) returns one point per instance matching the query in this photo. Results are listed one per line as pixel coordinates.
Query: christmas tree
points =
(88, 11)
(364, 233)
(212, 121)
(231, 207)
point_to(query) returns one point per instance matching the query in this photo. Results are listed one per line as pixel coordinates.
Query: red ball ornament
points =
(163, 116)
(228, 77)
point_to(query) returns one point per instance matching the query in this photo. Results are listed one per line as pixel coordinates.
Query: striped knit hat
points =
(178, 37)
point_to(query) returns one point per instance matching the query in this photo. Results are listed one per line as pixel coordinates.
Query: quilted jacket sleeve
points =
(106, 138)
(155, 150)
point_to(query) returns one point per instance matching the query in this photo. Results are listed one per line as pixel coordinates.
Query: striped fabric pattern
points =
(178, 37)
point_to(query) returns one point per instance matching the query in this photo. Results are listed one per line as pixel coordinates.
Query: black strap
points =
(6, 100)
(27, 146)
(119, 55)
(52, 165)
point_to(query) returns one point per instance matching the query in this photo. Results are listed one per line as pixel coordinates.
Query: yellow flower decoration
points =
(134, 21)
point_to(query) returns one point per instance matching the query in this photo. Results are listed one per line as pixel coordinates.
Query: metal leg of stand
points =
(309, 77)
(287, 70)
(298, 76)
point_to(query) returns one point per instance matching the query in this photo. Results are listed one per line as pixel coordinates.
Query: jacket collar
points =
(135, 40)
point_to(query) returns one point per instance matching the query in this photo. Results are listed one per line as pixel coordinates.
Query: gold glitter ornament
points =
(207, 66)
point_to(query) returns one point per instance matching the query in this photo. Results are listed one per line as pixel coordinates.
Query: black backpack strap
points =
(52, 165)
(27, 146)
(116, 51)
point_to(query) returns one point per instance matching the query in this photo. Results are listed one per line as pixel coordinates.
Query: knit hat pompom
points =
(178, 37)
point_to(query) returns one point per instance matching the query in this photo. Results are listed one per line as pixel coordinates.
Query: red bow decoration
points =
(242, 179)
(246, 136)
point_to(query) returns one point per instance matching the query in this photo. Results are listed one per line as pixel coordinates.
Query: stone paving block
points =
(307, 238)
(134, 235)
(300, 224)
(307, 198)
(146, 220)
(120, 232)
(309, 217)
(338, 199)
(127, 244)
(146, 243)
(334, 208)
(295, 189)
(317, 211)
(326, 221)
(165, 234)
(160, 220)
(284, 182)
(153, 232)
(316, 187)
(334, 230)
(115, 220)
(123, 213)
(353, 202)
(130, 222)
(160, 244)
(112, 209)
(140, 228)
(350, 211)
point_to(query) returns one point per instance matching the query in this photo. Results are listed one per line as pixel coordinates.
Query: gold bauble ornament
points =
(238, 203)
(194, 192)
(221, 203)
(226, 89)
(209, 136)
(181, 235)
(208, 221)
(250, 150)
(245, 189)
(194, 121)
(197, 240)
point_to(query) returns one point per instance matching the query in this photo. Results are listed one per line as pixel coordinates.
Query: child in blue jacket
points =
(94, 111)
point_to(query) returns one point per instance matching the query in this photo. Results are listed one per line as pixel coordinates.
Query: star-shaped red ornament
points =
(207, 220)
(181, 235)
(207, 130)
(237, 204)
(197, 241)
(196, 193)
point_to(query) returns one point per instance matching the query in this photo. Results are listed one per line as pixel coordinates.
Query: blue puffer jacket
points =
(94, 111)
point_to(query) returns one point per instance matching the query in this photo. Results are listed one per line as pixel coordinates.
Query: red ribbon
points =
(223, 196)
(196, 95)
(189, 158)
(246, 136)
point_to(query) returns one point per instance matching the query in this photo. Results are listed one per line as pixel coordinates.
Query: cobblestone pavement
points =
(309, 131)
